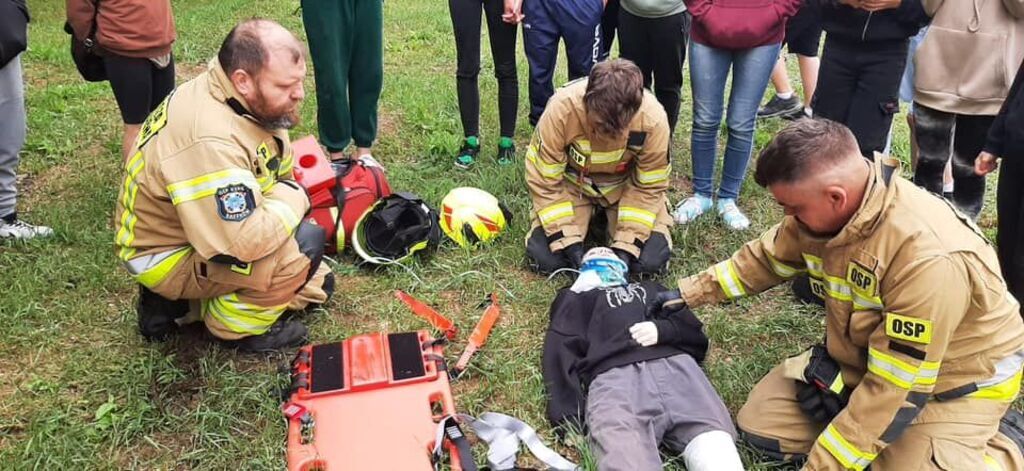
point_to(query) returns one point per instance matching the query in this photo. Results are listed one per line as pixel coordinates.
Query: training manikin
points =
(633, 382)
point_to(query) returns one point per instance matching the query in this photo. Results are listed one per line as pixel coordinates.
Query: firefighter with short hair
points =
(208, 216)
(923, 344)
(602, 144)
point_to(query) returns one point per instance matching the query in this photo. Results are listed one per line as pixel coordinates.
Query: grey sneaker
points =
(778, 107)
(22, 230)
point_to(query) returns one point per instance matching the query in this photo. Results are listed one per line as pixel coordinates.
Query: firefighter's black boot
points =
(280, 336)
(157, 314)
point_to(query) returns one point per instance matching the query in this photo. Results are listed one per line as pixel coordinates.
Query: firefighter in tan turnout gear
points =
(923, 344)
(600, 146)
(208, 217)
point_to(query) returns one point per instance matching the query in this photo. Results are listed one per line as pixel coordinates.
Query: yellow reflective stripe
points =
(901, 373)
(653, 176)
(241, 317)
(126, 233)
(781, 269)
(1005, 391)
(286, 164)
(556, 212)
(583, 145)
(289, 219)
(837, 385)
(814, 265)
(862, 303)
(606, 157)
(157, 273)
(266, 183)
(729, 280)
(844, 452)
(637, 215)
(206, 185)
(991, 464)
(552, 171)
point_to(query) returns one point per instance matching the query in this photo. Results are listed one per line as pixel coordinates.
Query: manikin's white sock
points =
(712, 451)
(785, 96)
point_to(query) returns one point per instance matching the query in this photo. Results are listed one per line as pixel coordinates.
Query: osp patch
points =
(235, 202)
(908, 328)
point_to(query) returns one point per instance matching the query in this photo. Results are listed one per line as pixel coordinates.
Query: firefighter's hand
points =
(985, 163)
(821, 405)
(665, 302)
(574, 254)
(644, 333)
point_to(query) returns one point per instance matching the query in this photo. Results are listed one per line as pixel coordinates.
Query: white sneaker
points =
(731, 214)
(690, 208)
(22, 230)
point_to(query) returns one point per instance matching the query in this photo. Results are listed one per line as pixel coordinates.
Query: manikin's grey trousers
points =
(12, 131)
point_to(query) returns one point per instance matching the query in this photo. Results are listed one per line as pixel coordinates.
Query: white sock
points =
(712, 451)
(784, 96)
(947, 187)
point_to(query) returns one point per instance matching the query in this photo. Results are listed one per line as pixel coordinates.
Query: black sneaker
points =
(778, 107)
(1012, 425)
(281, 335)
(506, 151)
(803, 293)
(466, 157)
(157, 315)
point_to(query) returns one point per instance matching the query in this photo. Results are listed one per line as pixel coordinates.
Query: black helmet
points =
(395, 227)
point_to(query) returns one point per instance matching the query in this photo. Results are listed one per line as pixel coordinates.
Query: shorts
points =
(633, 409)
(803, 33)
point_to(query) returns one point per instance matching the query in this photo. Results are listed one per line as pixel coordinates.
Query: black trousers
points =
(1010, 209)
(138, 85)
(609, 22)
(937, 133)
(858, 85)
(658, 47)
(466, 24)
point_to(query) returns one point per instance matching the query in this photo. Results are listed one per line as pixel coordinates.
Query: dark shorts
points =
(138, 85)
(803, 33)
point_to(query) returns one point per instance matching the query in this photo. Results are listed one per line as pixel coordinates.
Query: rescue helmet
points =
(395, 227)
(471, 215)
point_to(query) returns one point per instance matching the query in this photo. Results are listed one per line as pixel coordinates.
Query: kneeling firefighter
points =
(208, 217)
(600, 146)
(924, 346)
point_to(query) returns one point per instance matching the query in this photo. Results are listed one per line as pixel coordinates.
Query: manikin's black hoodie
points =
(589, 334)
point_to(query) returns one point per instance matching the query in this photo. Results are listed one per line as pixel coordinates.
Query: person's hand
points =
(644, 333)
(574, 254)
(665, 301)
(820, 405)
(513, 12)
(985, 163)
(876, 5)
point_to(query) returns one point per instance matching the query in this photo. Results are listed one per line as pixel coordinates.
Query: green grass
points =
(79, 389)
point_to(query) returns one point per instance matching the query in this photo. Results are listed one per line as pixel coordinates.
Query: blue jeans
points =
(709, 68)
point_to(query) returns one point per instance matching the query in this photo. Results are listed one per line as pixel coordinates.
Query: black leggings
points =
(1010, 238)
(138, 85)
(937, 133)
(466, 23)
(658, 47)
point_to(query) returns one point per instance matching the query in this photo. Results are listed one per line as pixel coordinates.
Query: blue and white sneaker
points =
(690, 208)
(731, 214)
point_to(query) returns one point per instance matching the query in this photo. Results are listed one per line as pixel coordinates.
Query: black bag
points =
(87, 52)
(13, 30)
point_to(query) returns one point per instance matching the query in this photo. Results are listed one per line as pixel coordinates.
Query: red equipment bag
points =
(377, 401)
(339, 192)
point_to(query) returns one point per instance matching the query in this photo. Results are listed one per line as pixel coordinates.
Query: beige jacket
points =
(206, 177)
(967, 61)
(916, 310)
(566, 161)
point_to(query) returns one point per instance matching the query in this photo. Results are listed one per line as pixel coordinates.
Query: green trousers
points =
(346, 41)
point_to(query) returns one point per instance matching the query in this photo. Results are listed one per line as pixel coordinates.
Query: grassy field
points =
(79, 389)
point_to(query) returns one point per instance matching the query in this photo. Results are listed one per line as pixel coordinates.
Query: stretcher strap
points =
(503, 435)
(449, 429)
